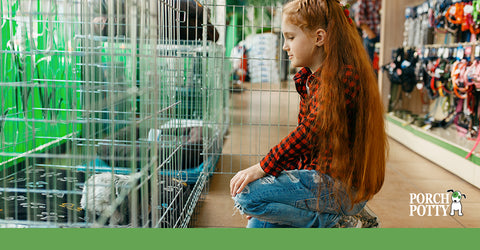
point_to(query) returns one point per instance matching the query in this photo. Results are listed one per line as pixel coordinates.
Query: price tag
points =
(440, 52)
(446, 53)
(460, 52)
(477, 51)
(468, 51)
(425, 7)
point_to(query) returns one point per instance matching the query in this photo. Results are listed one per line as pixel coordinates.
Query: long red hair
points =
(358, 155)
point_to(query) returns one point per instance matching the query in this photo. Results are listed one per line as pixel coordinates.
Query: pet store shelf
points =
(441, 146)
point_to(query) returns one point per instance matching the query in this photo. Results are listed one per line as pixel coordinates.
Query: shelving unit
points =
(441, 146)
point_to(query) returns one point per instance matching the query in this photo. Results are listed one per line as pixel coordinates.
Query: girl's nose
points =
(285, 47)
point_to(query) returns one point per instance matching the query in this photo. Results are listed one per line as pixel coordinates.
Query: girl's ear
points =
(320, 36)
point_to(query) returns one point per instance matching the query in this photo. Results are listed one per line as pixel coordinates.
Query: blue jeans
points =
(369, 45)
(291, 200)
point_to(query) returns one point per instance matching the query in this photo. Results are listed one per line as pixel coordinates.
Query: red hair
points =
(358, 155)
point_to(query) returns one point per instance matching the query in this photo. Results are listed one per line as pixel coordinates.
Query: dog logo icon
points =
(456, 204)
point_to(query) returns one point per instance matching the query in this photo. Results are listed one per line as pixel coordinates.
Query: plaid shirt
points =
(294, 151)
(368, 13)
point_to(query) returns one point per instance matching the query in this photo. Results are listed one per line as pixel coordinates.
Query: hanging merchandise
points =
(409, 80)
(410, 15)
(446, 75)
(442, 22)
(439, 82)
(394, 69)
(458, 69)
(419, 25)
(403, 69)
(428, 69)
(445, 69)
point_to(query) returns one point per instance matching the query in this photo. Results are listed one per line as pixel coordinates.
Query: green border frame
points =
(193, 239)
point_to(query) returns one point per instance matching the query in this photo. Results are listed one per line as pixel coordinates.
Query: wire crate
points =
(104, 94)
(192, 74)
(39, 106)
(263, 107)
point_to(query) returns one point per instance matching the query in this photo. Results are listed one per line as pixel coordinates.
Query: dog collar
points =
(472, 75)
(435, 73)
(458, 69)
(454, 13)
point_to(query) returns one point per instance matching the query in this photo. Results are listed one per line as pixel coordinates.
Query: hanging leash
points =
(474, 147)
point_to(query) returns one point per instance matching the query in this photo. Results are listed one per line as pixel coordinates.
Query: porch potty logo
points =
(438, 204)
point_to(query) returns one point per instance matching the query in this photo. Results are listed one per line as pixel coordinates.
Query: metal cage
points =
(113, 112)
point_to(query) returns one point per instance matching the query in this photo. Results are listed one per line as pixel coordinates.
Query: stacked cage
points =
(110, 117)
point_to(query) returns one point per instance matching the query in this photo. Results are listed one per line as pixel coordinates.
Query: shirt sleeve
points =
(287, 153)
(360, 14)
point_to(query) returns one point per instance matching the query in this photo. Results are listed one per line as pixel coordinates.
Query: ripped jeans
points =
(290, 200)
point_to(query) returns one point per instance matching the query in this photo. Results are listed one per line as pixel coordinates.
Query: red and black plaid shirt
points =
(294, 151)
(368, 13)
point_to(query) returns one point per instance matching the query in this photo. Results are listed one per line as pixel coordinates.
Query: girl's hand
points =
(242, 178)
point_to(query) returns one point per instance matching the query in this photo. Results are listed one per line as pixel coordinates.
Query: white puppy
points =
(97, 196)
(456, 204)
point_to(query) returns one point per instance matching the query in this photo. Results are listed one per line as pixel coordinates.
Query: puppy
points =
(456, 204)
(97, 197)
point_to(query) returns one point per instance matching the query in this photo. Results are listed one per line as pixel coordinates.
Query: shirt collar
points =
(302, 78)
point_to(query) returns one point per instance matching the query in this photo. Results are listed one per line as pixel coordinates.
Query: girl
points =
(334, 160)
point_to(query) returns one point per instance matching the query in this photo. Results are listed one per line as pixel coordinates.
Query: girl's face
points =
(302, 47)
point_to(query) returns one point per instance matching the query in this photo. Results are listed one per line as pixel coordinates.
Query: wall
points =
(393, 19)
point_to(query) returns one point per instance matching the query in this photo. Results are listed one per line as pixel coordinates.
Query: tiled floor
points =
(251, 136)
